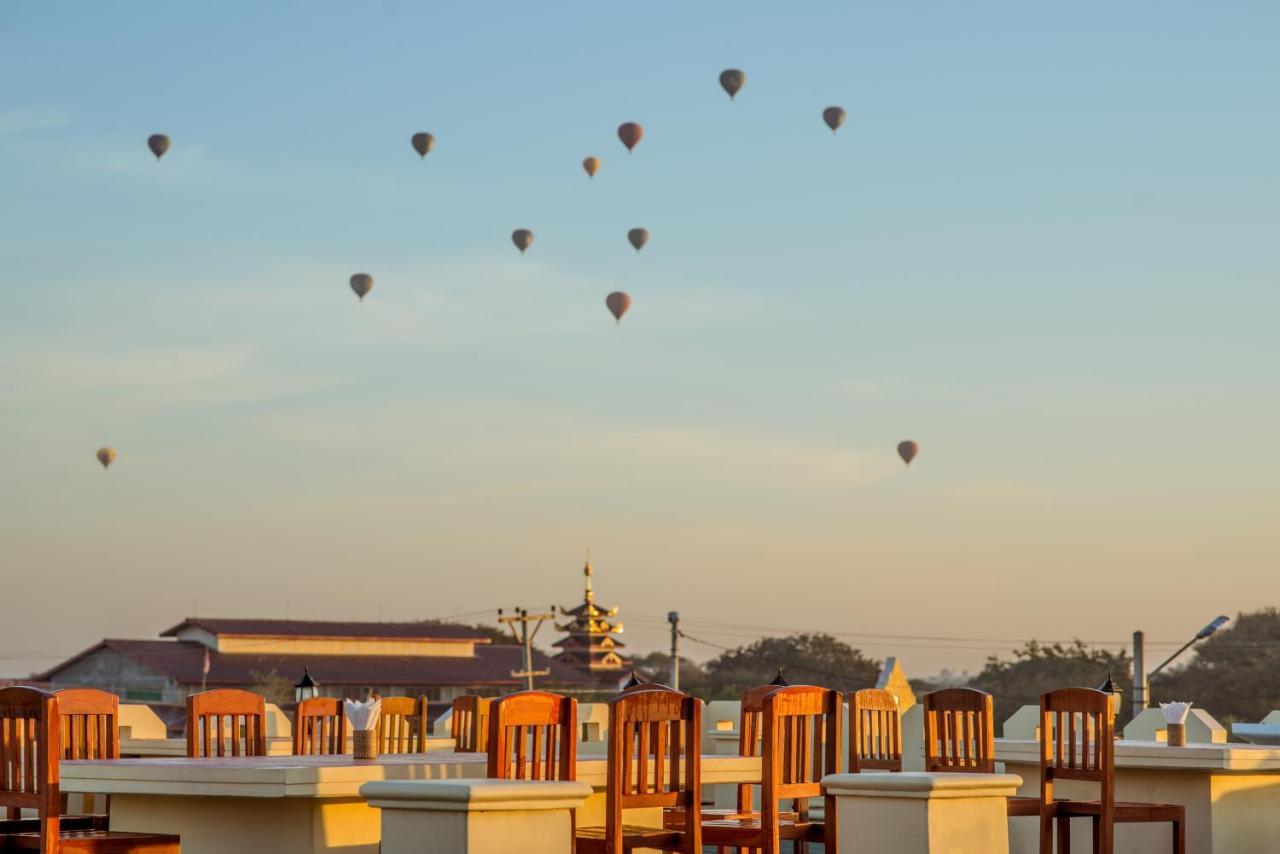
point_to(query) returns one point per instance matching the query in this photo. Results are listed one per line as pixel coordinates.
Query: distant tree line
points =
(803, 659)
(1234, 674)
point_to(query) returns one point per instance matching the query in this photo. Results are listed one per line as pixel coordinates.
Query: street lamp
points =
(673, 618)
(1141, 678)
(307, 688)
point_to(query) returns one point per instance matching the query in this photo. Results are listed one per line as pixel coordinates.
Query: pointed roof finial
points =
(632, 681)
(587, 572)
(780, 681)
(1109, 686)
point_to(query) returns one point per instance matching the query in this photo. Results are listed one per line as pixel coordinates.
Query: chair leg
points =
(1046, 834)
(1179, 837)
(1064, 834)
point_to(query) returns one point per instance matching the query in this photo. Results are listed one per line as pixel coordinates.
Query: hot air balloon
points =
(591, 166)
(908, 450)
(423, 143)
(158, 143)
(362, 283)
(618, 303)
(834, 117)
(106, 456)
(638, 237)
(522, 238)
(732, 80)
(630, 134)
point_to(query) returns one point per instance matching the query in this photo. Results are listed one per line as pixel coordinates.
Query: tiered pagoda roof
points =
(590, 644)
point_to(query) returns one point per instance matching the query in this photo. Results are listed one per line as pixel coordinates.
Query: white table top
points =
(1255, 758)
(276, 746)
(321, 776)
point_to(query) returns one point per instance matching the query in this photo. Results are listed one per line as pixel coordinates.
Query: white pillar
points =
(476, 816)
(921, 813)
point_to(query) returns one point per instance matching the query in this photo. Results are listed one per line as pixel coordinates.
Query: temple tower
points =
(590, 644)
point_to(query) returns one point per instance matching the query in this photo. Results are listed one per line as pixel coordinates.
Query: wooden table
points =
(1231, 792)
(296, 804)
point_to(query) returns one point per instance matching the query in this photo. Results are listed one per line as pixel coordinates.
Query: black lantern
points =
(1110, 687)
(307, 688)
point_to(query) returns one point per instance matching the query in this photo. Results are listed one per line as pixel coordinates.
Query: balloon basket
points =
(1177, 736)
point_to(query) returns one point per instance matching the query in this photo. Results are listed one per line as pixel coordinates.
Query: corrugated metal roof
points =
(419, 630)
(183, 662)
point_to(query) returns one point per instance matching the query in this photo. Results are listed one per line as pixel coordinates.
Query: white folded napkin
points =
(363, 717)
(1175, 713)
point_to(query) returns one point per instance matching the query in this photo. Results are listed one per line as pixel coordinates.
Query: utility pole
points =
(674, 619)
(525, 637)
(1138, 694)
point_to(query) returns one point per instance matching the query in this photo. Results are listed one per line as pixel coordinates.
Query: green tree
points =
(276, 688)
(497, 635)
(805, 659)
(1234, 673)
(1036, 668)
(656, 667)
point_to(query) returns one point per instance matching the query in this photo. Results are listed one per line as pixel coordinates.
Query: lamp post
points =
(1142, 678)
(307, 688)
(674, 619)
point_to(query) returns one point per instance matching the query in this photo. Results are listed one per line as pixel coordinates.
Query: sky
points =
(1043, 245)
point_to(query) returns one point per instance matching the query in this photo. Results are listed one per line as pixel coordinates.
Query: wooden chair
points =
(800, 744)
(319, 727)
(750, 734)
(960, 735)
(875, 731)
(533, 736)
(654, 760)
(30, 751)
(88, 728)
(402, 726)
(1077, 743)
(245, 717)
(470, 724)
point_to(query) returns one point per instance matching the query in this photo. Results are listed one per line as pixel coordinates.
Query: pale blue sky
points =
(1043, 245)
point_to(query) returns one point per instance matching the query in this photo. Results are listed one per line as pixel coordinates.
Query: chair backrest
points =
(801, 745)
(1076, 741)
(533, 736)
(875, 731)
(959, 731)
(751, 733)
(244, 715)
(402, 726)
(88, 723)
(469, 725)
(654, 760)
(29, 750)
(319, 727)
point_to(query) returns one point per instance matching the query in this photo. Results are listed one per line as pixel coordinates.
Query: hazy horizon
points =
(1042, 245)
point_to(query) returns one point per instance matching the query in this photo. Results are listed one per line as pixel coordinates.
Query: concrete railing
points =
(920, 813)
(476, 816)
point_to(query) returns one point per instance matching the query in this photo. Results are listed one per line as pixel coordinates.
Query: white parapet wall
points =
(476, 816)
(593, 728)
(278, 723)
(919, 813)
(1023, 724)
(913, 738)
(1149, 725)
(138, 721)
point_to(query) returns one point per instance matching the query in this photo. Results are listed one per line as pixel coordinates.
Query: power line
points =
(739, 629)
